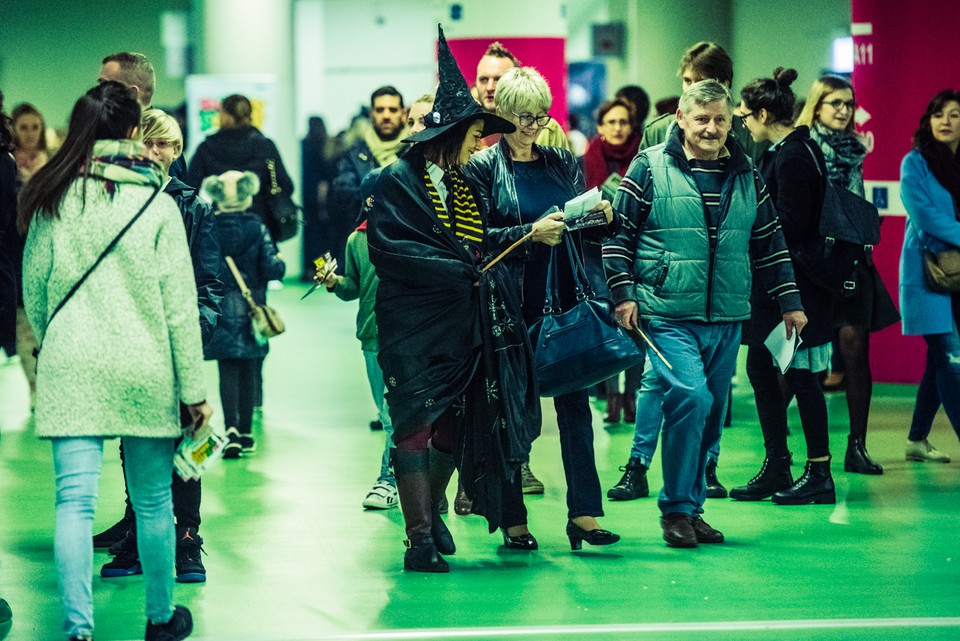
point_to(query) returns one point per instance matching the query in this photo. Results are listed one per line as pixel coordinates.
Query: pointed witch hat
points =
(454, 104)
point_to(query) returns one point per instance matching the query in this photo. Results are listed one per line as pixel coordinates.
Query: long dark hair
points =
(923, 136)
(107, 112)
(773, 94)
(444, 150)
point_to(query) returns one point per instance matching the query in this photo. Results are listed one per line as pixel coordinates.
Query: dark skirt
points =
(872, 307)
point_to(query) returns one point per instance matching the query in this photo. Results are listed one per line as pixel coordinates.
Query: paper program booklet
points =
(578, 214)
(198, 452)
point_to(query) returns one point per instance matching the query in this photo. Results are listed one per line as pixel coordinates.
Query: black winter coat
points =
(242, 149)
(492, 171)
(10, 251)
(201, 228)
(244, 238)
(796, 187)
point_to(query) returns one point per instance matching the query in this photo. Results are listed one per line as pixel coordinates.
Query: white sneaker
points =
(923, 451)
(382, 496)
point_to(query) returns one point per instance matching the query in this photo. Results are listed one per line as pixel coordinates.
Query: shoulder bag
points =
(264, 320)
(96, 263)
(942, 269)
(283, 211)
(581, 346)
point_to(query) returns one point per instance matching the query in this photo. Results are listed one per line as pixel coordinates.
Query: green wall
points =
(50, 52)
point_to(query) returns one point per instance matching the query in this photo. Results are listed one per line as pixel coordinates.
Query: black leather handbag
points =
(582, 346)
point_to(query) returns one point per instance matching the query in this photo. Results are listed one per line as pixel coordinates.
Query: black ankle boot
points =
(413, 486)
(774, 476)
(715, 489)
(441, 469)
(633, 484)
(857, 459)
(815, 486)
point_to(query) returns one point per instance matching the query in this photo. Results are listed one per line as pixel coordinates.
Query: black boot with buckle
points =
(413, 486)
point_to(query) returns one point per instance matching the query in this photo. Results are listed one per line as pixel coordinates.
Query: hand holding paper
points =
(783, 344)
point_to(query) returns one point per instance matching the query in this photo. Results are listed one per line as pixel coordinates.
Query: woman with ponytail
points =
(795, 174)
(108, 287)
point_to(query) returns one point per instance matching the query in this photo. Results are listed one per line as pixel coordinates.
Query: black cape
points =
(451, 339)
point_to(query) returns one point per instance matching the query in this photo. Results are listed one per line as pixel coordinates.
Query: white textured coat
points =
(125, 349)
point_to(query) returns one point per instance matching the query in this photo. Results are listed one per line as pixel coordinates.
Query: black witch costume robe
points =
(451, 338)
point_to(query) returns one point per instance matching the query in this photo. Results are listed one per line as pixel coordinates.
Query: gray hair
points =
(705, 92)
(522, 89)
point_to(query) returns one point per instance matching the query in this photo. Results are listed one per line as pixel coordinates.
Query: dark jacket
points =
(492, 171)
(244, 238)
(355, 163)
(201, 228)
(796, 188)
(243, 149)
(10, 251)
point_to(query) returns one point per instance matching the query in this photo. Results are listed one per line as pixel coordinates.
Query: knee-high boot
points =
(413, 485)
(441, 469)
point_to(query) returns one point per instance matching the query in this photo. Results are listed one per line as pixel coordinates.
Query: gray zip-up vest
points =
(677, 277)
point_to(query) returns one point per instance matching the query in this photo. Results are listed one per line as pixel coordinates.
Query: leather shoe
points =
(678, 531)
(519, 542)
(705, 533)
(578, 535)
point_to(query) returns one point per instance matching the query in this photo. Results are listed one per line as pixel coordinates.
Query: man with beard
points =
(378, 147)
(698, 223)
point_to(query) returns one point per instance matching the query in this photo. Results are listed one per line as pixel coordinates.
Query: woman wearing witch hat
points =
(453, 346)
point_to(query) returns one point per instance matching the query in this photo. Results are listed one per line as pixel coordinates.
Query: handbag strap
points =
(244, 290)
(274, 185)
(580, 282)
(103, 254)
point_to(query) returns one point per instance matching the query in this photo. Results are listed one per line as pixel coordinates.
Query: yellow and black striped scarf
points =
(466, 223)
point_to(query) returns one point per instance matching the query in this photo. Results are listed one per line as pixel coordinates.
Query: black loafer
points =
(678, 531)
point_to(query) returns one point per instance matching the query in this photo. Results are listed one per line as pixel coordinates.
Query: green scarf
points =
(385, 151)
(122, 162)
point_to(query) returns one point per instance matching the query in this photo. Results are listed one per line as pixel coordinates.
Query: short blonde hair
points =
(522, 89)
(156, 124)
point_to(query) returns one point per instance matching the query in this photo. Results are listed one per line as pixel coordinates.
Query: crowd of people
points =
(455, 203)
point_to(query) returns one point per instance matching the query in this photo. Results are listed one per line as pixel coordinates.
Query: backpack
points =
(849, 228)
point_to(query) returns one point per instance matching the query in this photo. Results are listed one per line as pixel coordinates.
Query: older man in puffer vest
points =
(697, 224)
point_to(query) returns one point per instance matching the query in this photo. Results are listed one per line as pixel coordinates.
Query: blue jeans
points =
(575, 423)
(650, 417)
(940, 382)
(703, 356)
(375, 378)
(77, 464)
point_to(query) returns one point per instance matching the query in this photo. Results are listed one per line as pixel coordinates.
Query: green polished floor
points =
(292, 556)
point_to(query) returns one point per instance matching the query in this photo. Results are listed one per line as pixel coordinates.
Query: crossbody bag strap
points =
(274, 185)
(103, 254)
(244, 290)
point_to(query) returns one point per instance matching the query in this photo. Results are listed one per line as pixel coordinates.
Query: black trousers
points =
(238, 384)
(772, 404)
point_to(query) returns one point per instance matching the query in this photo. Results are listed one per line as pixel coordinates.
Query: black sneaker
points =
(189, 565)
(127, 561)
(247, 444)
(177, 628)
(233, 449)
(112, 535)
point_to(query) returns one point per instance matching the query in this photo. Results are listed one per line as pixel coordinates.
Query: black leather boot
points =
(614, 404)
(857, 459)
(774, 476)
(814, 486)
(715, 489)
(413, 486)
(633, 484)
(441, 469)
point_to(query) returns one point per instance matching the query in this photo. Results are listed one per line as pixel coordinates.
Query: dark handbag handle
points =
(581, 283)
(103, 254)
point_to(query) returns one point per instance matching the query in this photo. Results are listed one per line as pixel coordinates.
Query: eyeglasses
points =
(743, 117)
(840, 104)
(527, 120)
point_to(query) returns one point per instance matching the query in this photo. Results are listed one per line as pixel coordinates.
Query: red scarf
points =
(603, 159)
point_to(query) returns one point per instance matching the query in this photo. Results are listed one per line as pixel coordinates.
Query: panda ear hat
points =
(231, 190)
